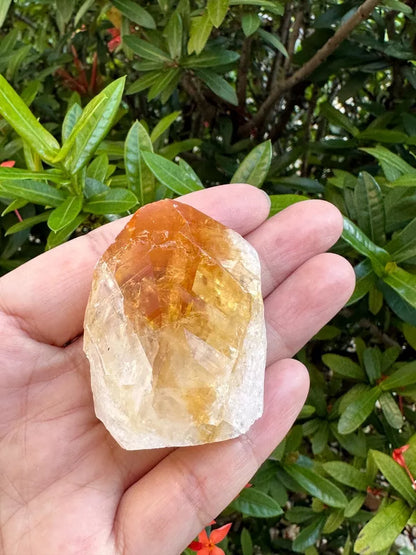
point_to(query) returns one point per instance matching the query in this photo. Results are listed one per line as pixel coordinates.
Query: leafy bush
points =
(305, 99)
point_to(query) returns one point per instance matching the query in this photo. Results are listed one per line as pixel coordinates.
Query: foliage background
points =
(307, 99)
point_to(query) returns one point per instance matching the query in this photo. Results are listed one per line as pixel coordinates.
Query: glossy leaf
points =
(358, 411)
(255, 166)
(354, 505)
(190, 172)
(210, 58)
(55, 239)
(404, 376)
(390, 410)
(174, 35)
(395, 475)
(91, 128)
(403, 282)
(343, 366)
(338, 119)
(250, 22)
(218, 85)
(362, 244)
(403, 244)
(114, 201)
(37, 192)
(143, 82)
(135, 13)
(27, 223)
(18, 115)
(273, 41)
(273, 7)
(370, 208)
(145, 49)
(346, 474)
(4, 8)
(139, 177)
(393, 166)
(383, 529)
(173, 149)
(166, 81)
(17, 174)
(308, 535)
(246, 542)
(317, 486)
(169, 174)
(71, 118)
(65, 213)
(217, 10)
(98, 168)
(201, 28)
(255, 503)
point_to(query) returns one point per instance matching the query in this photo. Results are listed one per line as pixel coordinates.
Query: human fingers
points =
(191, 486)
(290, 238)
(305, 302)
(49, 293)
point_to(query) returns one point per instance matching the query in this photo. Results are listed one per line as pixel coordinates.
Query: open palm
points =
(65, 485)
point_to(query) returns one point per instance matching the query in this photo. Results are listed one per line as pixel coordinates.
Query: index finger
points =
(49, 294)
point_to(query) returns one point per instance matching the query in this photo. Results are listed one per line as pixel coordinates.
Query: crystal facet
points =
(174, 331)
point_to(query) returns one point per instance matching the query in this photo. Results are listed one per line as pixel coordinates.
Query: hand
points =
(66, 487)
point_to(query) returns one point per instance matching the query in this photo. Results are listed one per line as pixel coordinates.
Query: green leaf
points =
(143, 82)
(404, 376)
(14, 205)
(370, 208)
(409, 333)
(114, 201)
(395, 475)
(364, 281)
(273, 41)
(255, 503)
(255, 166)
(28, 223)
(250, 22)
(383, 529)
(343, 366)
(174, 35)
(280, 202)
(404, 181)
(393, 166)
(169, 174)
(334, 521)
(217, 10)
(98, 168)
(346, 474)
(372, 364)
(317, 486)
(218, 85)
(201, 28)
(337, 118)
(32, 191)
(383, 136)
(404, 283)
(398, 6)
(18, 115)
(140, 179)
(390, 410)
(172, 150)
(17, 174)
(85, 6)
(166, 81)
(4, 8)
(55, 239)
(65, 213)
(135, 12)
(211, 58)
(273, 7)
(146, 50)
(191, 174)
(403, 244)
(398, 305)
(354, 505)
(246, 542)
(94, 187)
(358, 411)
(309, 535)
(362, 244)
(91, 128)
(71, 118)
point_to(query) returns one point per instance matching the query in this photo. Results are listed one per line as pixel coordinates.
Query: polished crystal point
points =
(174, 331)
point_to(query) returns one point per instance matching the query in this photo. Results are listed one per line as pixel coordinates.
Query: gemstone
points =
(174, 331)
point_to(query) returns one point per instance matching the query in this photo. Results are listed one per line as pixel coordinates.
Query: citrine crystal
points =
(174, 331)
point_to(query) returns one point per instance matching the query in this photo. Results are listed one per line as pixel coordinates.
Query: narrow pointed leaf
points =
(28, 223)
(383, 529)
(55, 239)
(217, 10)
(163, 125)
(210, 58)
(273, 41)
(201, 28)
(255, 503)
(370, 208)
(65, 213)
(37, 192)
(135, 13)
(17, 174)
(169, 174)
(346, 474)
(403, 282)
(393, 166)
(404, 376)
(255, 166)
(344, 366)
(114, 201)
(145, 49)
(317, 486)
(174, 35)
(362, 244)
(18, 115)
(71, 118)
(138, 174)
(358, 411)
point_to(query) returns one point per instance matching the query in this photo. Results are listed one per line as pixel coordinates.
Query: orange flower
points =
(399, 458)
(207, 546)
(8, 164)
